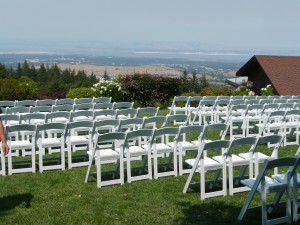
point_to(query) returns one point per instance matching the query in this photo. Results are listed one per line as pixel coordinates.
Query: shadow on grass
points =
(214, 212)
(10, 202)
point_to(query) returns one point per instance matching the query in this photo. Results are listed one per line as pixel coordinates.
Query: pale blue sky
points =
(256, 24)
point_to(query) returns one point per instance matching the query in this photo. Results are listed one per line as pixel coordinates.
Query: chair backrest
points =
(80, 128)
(274, 117)
(286, 106)
(147, 112)
(138, 137)
(42, 108)
(102, 100)
(179, 101)
(192, 130)
(84, 106)
(178, 118)
(242, 142)
(54, 116)
(46, 102)
(33, 118)
(9, 119)
(280, 100)
(164, 132)
(130, 124)
(152, 122)
(16, 132)
(59, 128)
(65, 101)
(83, 100)
(5, 104)
(26, 103)
(103, 106)
(82, 115)
(195, 100)
(252, 102)
(105, 126)
(18, 110)
(116, 138)
(123, 105)
(221, 129)
(126, 113)
(65, 107)
(105, 114)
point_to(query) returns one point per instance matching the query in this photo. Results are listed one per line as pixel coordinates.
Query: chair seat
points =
(208, 163)
(21, 144)
(137, 151)
(280, 178)
(79, 140)
(50, 142)
(270, 183)
(106, 154)
(163, 148)
(189, 145)
(236, 160)
(60, 120)
(261, 156)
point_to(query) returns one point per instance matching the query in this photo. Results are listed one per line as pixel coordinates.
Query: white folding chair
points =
(186, 145)
(18, 141)
(179, 105)
(48, 141)
(103, 154)
(161, 144)
(79, 138)
(263, 150)
(105, 114)
(265, 185)
(234, 161)
(204, 163)
(137, 146)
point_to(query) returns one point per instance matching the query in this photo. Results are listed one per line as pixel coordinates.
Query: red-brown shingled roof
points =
(282, 71)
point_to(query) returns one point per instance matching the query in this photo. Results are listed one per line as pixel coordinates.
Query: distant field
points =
(115, 70)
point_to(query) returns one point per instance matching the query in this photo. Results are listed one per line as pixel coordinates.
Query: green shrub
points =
(82, 92)
(11, 89)
(30, 87)
(149, 90)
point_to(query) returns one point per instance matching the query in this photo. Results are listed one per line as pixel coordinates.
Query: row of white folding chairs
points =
(52, 102)
(146, 145)
(92, 128)
(256, 120)
(190, 103)
(67, 107)
(62, 116)
(230, 161)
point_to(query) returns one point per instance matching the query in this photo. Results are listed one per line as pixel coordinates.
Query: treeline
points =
(43, 82)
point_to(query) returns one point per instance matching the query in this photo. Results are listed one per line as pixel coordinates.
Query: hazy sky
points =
(238, 23)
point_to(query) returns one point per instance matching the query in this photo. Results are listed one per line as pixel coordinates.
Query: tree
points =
(105, 75)
(184, 87)
(203, 82)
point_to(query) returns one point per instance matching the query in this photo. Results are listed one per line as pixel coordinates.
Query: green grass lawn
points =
(62, 197)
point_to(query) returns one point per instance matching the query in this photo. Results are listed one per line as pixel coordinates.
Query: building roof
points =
(282, 71)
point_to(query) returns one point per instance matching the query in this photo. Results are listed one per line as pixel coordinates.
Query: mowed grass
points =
(62, 197)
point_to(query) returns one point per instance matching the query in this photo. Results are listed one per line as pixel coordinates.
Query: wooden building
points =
(282, 72)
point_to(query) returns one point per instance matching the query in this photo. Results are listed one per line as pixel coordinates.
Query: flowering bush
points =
(108, 88)
(244, 89)
(267, 91)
